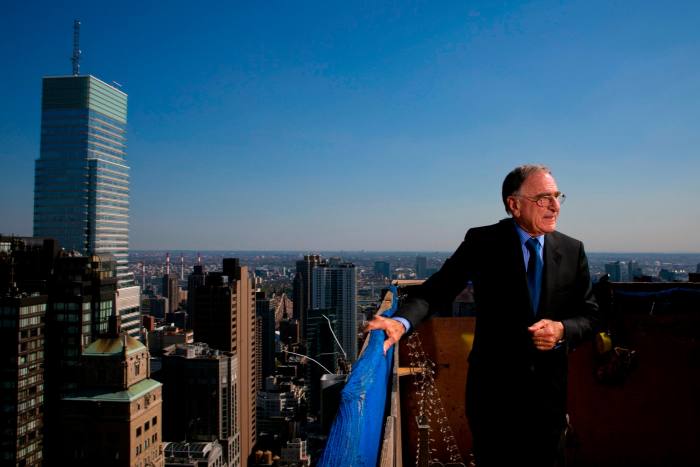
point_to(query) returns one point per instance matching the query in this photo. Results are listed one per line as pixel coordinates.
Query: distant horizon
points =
(352, 250)
(295, 251)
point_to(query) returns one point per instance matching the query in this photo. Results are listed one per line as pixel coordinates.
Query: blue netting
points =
(357, 429)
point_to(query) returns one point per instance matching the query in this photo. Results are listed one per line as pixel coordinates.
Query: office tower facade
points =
(81, 185)
(81, 302)
(614, 270)
(171, 291)
(633, 270)
(26, 266)
(302, 287)
(321, 346)
(115, 418)
(224, 318)
(22, 378)
(334, 287)
(266, 337)
(81, 194)
(382, 269)
(194, 280)
(214, 320)
(421, 267)
(200, 398)
(82, 297)
(278, 405)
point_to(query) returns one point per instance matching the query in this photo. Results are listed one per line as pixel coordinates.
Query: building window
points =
(154, 422)
(138, 431)
(146, 426)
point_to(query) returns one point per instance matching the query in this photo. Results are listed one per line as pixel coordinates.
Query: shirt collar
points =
(524, 236)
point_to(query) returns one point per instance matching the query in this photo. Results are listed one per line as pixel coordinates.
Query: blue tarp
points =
(356, 433)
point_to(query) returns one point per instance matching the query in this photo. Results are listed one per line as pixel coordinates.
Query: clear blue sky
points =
(355, 125)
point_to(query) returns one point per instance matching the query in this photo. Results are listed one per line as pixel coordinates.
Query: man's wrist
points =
(561, 334)
(406, 323)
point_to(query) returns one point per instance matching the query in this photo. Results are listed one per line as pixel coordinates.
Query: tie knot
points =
(533, 245)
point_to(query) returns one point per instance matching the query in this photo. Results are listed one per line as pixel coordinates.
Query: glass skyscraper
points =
(334, 287)
(81, 191)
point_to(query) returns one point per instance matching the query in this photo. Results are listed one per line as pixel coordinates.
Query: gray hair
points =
(515, 179)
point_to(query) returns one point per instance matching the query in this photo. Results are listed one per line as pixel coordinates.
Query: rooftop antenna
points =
(76, 48)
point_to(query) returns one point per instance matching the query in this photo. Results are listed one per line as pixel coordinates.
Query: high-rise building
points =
(265, 339)
(171, 291)
(633, 270)
(81, 301)
(382, 269)
(200, 391)
(279, 402)
(334, 286)
(421, 267)
(25, 268)
(194, 280)
(302, 288)
(224, 318)
(614, 270)
(22, 378)
(81, 195)
(81, 186)
(321, 346)
(82, 297)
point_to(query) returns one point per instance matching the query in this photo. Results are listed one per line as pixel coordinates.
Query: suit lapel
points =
(552, 259)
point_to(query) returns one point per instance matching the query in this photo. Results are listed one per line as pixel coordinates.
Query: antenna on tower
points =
(76, 48)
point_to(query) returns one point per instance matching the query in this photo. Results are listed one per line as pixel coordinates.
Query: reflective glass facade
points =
(81, 192)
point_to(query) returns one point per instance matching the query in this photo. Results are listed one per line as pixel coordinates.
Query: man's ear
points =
(513, 205)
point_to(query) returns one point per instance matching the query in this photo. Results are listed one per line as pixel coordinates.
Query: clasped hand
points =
(545, 334)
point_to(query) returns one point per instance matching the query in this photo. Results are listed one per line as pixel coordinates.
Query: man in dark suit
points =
(534, 301)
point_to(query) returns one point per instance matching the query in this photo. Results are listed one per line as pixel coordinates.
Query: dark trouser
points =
(515, 423)
(506, 446)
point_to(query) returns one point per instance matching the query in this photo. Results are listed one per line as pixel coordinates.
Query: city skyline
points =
(372, 127)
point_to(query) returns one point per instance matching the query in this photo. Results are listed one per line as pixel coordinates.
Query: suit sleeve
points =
(586, 317)
(441, 288)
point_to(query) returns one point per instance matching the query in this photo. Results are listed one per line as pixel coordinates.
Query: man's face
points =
(534, 219)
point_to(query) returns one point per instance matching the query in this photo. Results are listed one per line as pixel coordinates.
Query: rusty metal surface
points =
(448, 342)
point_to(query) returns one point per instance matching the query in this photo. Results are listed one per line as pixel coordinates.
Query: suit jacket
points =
(506, 373)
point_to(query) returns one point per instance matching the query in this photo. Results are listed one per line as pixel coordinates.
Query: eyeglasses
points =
(546, 200)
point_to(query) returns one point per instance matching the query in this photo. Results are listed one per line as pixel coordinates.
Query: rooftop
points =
(109, 346)
(100, 395)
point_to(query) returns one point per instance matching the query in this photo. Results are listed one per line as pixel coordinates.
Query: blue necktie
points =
(534, 272)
